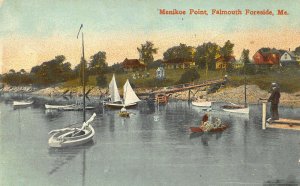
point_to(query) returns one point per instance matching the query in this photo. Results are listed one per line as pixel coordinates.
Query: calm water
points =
(153, 147)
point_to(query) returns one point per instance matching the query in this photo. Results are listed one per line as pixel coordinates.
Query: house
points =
(133, 65)
(178, 63)
(289, 59)
(223, 62)
(160, 73)
(266, 56)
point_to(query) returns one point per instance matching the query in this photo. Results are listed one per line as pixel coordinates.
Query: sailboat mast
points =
(245, 85)
(83, 71)
(83, 78)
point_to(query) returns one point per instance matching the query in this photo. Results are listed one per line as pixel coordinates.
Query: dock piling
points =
(264, 114)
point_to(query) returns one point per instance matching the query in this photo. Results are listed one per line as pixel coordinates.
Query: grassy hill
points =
(288, 80)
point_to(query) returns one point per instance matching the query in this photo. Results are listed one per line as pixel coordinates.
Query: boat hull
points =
(22, 103)
(57, 106)
(62, 139)
(119, 105)
(238, 110)
(202, 104)
(199, 129)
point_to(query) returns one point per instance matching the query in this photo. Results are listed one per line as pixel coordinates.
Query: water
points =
(153, 147)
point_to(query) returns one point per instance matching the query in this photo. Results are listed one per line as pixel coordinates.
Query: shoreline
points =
(225, 94)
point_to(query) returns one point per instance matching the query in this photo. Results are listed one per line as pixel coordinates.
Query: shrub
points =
(189, 76)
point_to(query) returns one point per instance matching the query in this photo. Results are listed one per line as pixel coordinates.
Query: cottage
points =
(133, 65)
(223, 62)
(178, 63)
(289, 59)
(266, 56)
(160, 73)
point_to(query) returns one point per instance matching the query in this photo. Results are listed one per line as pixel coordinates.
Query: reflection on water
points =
(152, 147)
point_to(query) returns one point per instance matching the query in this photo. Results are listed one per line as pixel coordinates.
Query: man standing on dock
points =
(274, 99)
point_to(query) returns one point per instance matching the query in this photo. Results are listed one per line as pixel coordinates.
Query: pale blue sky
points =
(41, 18)
(37, 30)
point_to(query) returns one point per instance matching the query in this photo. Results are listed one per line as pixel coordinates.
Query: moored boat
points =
(69, 137)
(22, 103)
(48, 106)
(217, 129)
(202, 103)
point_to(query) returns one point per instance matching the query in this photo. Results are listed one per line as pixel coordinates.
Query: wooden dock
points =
(283, 123)
(188, 86)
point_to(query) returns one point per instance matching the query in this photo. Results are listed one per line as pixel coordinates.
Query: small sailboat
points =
(68, 137)
(129, 97)
(242, 109)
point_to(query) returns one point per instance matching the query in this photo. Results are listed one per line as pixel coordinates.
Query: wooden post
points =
(189, 99)
(264, 114)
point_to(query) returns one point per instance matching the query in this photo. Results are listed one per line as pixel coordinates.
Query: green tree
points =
(249, 68)
(227, 50)
(297, 50)
(98, 63)
(206, 54)
(146, 52)
(181, 51)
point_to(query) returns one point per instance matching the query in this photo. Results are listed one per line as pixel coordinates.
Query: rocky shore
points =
(225, 94)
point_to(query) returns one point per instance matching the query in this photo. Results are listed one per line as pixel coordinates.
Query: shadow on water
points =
(66, 155)
(289, 181)
(206, 136)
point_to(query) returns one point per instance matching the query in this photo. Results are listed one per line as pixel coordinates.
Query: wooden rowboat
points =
(199, 129)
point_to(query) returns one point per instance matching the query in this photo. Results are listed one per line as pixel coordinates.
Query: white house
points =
(160, 73)
(289, 59)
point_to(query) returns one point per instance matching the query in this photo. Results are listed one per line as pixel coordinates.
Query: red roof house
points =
(266, 57)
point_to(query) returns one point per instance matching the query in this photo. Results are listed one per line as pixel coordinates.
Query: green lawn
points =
(289, 81)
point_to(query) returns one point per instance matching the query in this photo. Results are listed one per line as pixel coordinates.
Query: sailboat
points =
(235, 108)
(129, 96)
(68, 137)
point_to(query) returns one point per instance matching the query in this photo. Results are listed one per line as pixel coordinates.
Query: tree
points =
(146, 52)
(98, 63)
(248, 67)
(181, 51)
(206, 54)
(297, 50)
(227, 50)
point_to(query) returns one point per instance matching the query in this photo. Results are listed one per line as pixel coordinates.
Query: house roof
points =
(177, 61)
(226, 59)
(132, 63)
(266, 51)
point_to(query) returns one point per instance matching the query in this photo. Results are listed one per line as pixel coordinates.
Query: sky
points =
(35, 31)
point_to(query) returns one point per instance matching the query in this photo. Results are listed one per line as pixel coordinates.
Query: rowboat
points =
(69, 137)
(47, 106)
(236, 109)
(218, 129)
(201, 103)
(22, 103)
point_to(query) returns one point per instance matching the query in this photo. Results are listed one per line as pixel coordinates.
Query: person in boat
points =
(274, 99)
(123, 110)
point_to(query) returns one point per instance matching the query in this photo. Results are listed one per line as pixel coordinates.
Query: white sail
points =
(113, 90)
(129, 94)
